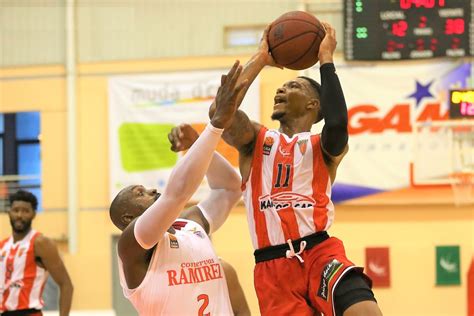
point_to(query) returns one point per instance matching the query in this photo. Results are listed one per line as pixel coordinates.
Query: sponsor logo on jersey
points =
(195, 272)
(178, 225)
(197, 232)
(21, 251)
(302, 144)
(284, 200)
(267, 145)
(173, 241)
(328, 273)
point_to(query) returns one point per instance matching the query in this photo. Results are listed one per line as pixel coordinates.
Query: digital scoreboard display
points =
(461, 104)
(407, 29)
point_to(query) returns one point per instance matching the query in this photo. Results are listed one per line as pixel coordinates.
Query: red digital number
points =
(423, 21)
(205, 302)
(400, 28)
(455, 43)
(467, 109)
(454, 26)
(393, 46)
(429, 4)
(420, 44)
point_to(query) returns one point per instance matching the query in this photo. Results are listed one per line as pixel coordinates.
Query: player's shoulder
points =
(42, 242)
(4, 241)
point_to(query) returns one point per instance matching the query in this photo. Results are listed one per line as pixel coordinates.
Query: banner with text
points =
(384, 100)
(142, 111)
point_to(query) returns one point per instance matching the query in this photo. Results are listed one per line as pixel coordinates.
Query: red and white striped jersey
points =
(21, 279)
(288, 193)
(184, 277)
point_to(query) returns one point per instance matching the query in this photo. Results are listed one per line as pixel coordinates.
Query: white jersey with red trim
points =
(288, 192)
(184, 276)
(21, 279)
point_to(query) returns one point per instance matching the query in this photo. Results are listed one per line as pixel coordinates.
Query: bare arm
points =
(240, 307)
(222, 178)
(150, 227)
(242, 132)
(48, 252)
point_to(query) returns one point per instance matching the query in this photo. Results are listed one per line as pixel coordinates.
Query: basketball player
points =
(287, 176)
(26, 258)
(181, 138)
(168, 265)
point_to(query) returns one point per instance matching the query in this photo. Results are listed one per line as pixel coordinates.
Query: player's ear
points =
(126, 218)
(313, 104)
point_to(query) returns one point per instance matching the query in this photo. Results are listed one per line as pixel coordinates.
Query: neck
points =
(295, 126)
(19, 236)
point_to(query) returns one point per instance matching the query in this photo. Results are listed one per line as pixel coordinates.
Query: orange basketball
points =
(294, 40)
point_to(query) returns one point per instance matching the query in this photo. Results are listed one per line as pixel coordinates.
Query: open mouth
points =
(279, 99)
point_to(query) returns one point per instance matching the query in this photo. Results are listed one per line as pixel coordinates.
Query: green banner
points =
(145, 147)
(448, 265)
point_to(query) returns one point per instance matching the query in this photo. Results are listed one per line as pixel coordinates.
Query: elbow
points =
(66, 286)
(234, 196)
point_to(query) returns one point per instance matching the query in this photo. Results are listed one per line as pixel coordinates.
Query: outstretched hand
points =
(182, 137)
(226, 97)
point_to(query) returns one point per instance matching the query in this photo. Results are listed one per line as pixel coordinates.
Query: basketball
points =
(294, 40)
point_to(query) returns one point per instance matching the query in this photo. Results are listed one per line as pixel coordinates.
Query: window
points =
(20, 155)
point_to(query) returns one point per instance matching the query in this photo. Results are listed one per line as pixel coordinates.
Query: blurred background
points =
(89, 90)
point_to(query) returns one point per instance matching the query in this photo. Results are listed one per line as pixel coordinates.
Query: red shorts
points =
(287, 287)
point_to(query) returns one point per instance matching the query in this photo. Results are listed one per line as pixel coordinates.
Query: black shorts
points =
(23, 312)
(353, 288)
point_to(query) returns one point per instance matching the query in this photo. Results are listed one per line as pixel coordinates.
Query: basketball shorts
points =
(286, 286)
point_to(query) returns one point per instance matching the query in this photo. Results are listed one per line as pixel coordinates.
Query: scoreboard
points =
(407, 29)
(461, 104)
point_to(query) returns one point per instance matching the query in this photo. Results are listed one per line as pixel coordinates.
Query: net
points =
(444, 155)
(462, 185)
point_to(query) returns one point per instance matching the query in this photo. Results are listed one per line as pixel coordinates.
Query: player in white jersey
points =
(168, 265)
(287, 176)
(25, 260)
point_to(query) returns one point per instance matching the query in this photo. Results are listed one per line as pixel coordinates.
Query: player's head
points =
(23, 205)
(297, 98)
(130, 203)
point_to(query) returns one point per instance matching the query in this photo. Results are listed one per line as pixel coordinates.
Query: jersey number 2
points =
(279, 175)
(205, 302)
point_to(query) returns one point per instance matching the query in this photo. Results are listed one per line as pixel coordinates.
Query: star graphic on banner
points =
(422, 91)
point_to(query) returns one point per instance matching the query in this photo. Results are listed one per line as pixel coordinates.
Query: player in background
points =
(287, 176)
(167, 264)
(26, 259)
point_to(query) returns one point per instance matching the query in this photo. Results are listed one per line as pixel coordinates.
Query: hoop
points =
(462, 186)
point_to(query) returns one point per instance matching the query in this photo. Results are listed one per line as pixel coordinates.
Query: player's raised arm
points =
(223, 180)
(188, 173)
(333, 105)
(242, 131)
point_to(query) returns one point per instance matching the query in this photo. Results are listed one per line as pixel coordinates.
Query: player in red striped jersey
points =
(287, 177)
(26, 259)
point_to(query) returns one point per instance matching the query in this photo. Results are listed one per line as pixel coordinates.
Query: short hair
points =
(24, 196)
(317, 89)
(314, 84)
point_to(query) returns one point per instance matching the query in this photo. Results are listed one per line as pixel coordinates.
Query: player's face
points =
(143, 198)
(21, 215)
(291, 99)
